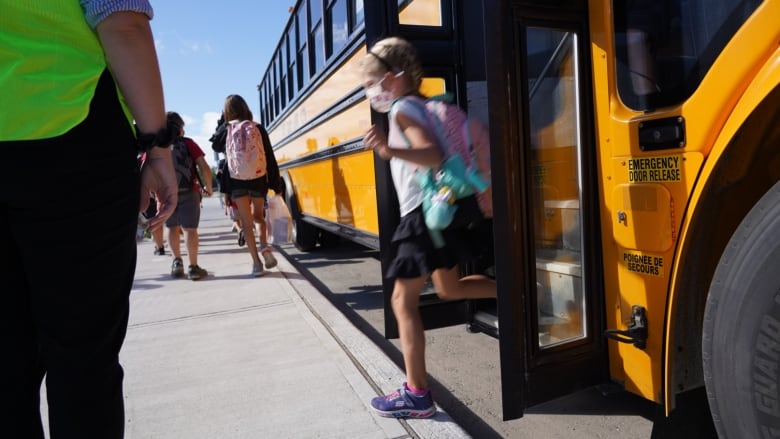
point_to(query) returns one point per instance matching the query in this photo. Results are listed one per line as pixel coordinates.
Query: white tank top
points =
(410, 194)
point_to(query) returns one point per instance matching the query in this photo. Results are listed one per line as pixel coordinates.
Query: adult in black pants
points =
(68, 265)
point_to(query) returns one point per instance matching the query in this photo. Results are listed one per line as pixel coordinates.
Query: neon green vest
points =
(50, 63)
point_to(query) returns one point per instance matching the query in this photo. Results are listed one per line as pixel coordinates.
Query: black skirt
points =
(415, 253)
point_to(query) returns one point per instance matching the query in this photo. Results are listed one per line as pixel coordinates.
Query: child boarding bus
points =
(636, 183)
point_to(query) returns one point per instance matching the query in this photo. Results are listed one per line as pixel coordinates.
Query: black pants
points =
(68, 215)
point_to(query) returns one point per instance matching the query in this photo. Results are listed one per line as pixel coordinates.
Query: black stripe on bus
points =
(326, 154)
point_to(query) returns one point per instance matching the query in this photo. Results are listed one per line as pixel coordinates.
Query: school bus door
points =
(550, 306)
(534, 61)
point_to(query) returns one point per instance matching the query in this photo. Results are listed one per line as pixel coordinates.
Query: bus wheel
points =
(304, 235)
(741, 332)
(329, 239)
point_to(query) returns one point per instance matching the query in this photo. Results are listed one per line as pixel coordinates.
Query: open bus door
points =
(550, 301)
(527, 63)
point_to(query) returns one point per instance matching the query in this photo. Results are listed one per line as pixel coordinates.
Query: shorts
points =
(255, 188)
(415, 254)
(187, 212)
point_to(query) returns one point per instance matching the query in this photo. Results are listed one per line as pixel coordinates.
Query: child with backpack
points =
(392, 74)
(248, 178)
(190, 164)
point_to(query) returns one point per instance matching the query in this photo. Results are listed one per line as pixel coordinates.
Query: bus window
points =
(316, 11)
(318, 38)
(337, 13)
(282, 65)
(665, 48)
(555, 145)
(358, 17)
(303, 53)
(291, 68)
(420, 12)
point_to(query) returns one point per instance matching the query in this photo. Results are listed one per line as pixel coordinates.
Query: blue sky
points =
(210, 50)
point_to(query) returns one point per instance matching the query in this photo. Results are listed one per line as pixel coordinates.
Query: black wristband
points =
(147, 141)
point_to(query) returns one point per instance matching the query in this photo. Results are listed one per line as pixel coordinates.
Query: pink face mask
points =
(380, 99)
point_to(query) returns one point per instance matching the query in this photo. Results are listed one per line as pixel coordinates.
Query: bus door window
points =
(420, 12)
(554, 157)
(664, 48)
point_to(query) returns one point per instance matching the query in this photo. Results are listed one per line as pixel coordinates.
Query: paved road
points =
(465, 367)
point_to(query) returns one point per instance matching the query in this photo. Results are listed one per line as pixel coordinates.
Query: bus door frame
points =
(530, 375)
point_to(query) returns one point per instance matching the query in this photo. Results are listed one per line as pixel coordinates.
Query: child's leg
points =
(258, 212)
(174, 240)
(450, 286)
(264, 232)
(247, 226)
(157, 236)
(405, 302)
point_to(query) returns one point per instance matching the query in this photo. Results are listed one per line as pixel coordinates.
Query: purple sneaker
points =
(404, 404)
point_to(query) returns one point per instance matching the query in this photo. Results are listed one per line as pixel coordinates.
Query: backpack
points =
(467, 138)
(218, 138)
(183, 164)
(244, 150)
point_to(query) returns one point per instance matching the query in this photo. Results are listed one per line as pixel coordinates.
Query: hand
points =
(208, 191)
(158, 177)
(376, 140)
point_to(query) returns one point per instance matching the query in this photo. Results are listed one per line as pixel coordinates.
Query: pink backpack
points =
(244, 150)
(467, 137)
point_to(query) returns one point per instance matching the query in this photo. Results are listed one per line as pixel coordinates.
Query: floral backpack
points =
(465, 169)
(244, 150)
(465, 142)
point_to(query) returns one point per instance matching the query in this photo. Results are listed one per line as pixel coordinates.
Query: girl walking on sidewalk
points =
(248, 184)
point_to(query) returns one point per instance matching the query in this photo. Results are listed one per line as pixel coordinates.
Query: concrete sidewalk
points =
(232, 356)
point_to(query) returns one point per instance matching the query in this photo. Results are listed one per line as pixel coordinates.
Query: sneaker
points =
(268, 257)
(241, 240)
(177, 268)
(159, 251)
(257, 270)
(196, 272)
(404, 404)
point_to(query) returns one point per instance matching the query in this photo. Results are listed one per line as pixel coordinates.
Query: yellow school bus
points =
(636, 183)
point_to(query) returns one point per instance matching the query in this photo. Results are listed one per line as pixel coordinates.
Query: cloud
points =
(184, 46)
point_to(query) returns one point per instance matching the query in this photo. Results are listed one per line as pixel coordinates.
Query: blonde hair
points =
(394, 54)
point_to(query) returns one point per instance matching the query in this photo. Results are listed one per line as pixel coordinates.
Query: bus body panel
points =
(645, 195)
(340, 190)
(295, 127)
(318, 145)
